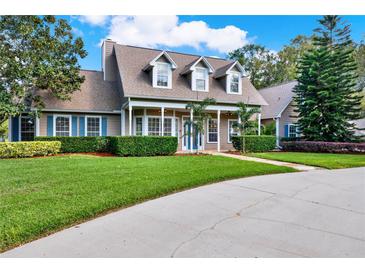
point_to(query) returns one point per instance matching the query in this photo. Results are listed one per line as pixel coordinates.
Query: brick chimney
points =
(108, 60)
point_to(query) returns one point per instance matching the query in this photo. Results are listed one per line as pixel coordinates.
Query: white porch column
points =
(37, 125)
(145, 123)
(259, 124)
(277, 131)
(122, 122)
(162, 120)
(130, 120)
(219, 130)
(191, 130)
(173, 124)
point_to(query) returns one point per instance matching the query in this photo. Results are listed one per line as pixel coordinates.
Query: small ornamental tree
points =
(200, 116)
(244, 114)
(36, 53)
(327, 94)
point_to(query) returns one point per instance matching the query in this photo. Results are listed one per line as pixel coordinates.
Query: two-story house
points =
(143, 91)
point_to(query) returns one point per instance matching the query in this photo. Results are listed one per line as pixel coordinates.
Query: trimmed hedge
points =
(254, 143)
(329, 147)
(28, 149)
(79, 144)
(142, 145)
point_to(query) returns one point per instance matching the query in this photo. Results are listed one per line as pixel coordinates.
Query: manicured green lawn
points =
(42, 195)
(325, 160)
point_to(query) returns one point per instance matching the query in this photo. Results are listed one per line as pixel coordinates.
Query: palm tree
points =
(244, 123)
(200, 116)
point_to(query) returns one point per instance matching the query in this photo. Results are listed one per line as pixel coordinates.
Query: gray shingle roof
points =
(278, 97)
(136, 82)
(95, 95)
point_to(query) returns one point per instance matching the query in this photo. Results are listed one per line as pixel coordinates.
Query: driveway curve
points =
(318, 213)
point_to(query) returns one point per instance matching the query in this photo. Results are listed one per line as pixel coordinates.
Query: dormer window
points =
(201, 79)
(161, 67)
(232, 77)
(162, 75)
(235, 82)
(198, 72)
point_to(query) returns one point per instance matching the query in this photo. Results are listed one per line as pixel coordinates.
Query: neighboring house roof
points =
(137, 83)
(278, 98)
(95, 95)
(360, 124)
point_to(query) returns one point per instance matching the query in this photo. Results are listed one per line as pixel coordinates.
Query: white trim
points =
(208, 141)
(191, 131)
(277, 131)
(37, 124)
(80, 111)
(279, 114)
(135, 124)
(229, 129)
(62, 115)
(259, 124)
(228, 83)
(163, 121)
(296, 131)
(130, 113)
(193, 80)
(145, 123)
(122, 122)
(169, 76)
(100, 124)
(193, 66)
(178, 105)
(154, 61)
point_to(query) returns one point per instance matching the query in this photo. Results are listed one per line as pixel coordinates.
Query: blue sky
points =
(202, 35)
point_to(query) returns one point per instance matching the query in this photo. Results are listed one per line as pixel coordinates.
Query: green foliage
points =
(78, 144)
(245, 125)
(28, 149)
(43, 195)
(200, 116)
(4, 129)
(37, 53)
(327, 94)
(252, 143)
(259, 63)
(142, 145)
(269, 129)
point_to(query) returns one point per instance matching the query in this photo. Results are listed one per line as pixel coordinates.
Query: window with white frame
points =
(153, 126)
(212, 131)
(234, 85)
(167, 131)
(201, 79)
(62, 126)
(138, 126)
(93, 126)
(232, 131)
(292, 130)
(162, 74)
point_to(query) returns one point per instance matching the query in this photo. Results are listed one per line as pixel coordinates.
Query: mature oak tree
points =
(36, 53)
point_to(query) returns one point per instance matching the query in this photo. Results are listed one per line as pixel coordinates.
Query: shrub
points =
(28, 149)
(329, 147)
(79, 144)
(142, 145)
(254, 143)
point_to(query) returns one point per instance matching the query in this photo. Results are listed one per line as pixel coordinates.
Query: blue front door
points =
(187, 135)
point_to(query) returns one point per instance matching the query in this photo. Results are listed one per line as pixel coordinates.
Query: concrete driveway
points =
(309, 214)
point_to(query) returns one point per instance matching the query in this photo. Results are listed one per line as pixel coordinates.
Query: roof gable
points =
(191, 67)
(223, 71)
(162, 55)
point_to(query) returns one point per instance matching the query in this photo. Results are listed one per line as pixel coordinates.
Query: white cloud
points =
(96, 20)
(154, 31)
(77, 32)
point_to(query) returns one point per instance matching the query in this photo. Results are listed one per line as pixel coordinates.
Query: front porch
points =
(152, 118)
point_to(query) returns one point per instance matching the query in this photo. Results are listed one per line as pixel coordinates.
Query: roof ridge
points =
(279, 84)
(175, 52)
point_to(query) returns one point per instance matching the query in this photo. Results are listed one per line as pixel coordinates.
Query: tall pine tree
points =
(327, 94)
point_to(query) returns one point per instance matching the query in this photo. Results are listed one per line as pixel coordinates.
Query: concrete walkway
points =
(266, 161)
(304, 214)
